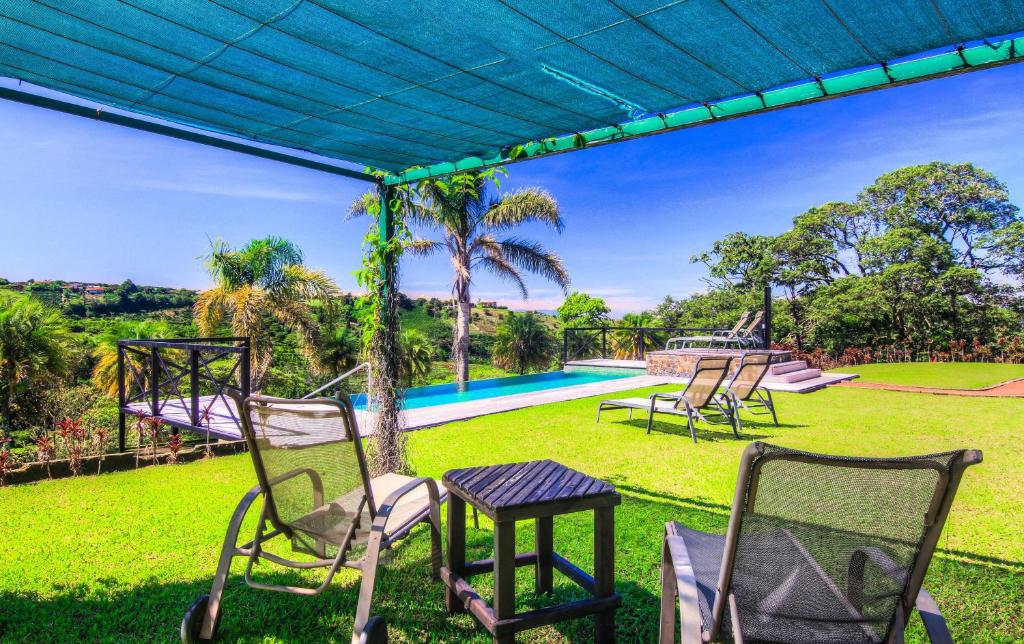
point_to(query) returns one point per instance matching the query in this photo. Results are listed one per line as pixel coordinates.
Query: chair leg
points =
(771, 407)
(693, 429)
(650, 418)
(211, 614)
(667, 621)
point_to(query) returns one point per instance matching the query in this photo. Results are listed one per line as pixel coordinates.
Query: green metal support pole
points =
(386, 230)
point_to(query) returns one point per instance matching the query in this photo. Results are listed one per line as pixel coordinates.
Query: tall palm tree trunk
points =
(460, 342)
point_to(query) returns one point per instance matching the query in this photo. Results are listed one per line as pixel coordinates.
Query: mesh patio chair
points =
(699, 401)
(683, 342)
(746, 337)
(819, 549)
(745, 390)
(317, 494)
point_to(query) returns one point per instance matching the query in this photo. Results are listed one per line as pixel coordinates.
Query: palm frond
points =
(209, 309)
(424, 247)
(501, 269)
(532, 257)
(521, 206)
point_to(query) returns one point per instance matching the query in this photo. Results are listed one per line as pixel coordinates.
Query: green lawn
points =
(948, 375)
(120, 556)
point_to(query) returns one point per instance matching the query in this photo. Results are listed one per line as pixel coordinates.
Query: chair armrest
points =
(314, 477)
(665, 396)
(384, 509)
(678, 569)
(934, 622)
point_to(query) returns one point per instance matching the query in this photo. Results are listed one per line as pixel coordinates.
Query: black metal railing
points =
(629, 342)
(182, 371)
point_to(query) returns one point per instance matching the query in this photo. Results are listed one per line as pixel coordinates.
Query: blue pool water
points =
(417, 397)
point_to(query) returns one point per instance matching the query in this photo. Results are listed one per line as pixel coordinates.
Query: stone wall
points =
(681, 362)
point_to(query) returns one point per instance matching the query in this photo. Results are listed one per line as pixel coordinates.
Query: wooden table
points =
(537, 490)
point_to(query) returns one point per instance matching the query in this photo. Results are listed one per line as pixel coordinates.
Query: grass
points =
(120, 556)
(946, 375)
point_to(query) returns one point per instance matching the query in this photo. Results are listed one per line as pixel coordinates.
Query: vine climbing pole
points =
(388, 453)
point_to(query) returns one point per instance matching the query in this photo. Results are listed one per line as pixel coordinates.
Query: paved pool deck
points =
(223, 423)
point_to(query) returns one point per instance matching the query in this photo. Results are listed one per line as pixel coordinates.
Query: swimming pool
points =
(432, 395)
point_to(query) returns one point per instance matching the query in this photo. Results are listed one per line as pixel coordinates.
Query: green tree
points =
(340, 349)
(522, 343)
(960, 204)
(104, 372)
(473, 227)
(417, 355)
(630, 343)
(581, 310)
(263, 281)
(34, 348)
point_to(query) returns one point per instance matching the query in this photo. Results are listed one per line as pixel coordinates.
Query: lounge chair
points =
(818, 549)
(746, 337)
(685, 341)
(745, 391)
(699, 401)
(317, 493)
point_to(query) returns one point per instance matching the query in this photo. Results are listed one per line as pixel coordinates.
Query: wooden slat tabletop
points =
(511, 491)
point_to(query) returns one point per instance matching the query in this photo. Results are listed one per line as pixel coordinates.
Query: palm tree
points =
(521, 342)
(264, 281)
(34, 346)
(104, 372)
(340, 349)
(472, 225)
(630, 343)
(417, 355)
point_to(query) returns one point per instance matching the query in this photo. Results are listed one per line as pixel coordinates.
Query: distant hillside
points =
(96, 299)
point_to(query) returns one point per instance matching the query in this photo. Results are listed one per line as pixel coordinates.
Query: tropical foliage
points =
(582, 310)
(104, 372)
(474, 229)
(417, 355)
(257, 284)
(34, 348)
(522, 343)
(924, 256)
(631, 343)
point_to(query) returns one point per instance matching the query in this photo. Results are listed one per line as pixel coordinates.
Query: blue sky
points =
(89, 201)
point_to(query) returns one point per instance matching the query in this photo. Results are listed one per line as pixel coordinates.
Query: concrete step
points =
(809, 385)
(785, 367)
(795, 376)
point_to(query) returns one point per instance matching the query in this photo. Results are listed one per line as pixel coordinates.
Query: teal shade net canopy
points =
(428, 87)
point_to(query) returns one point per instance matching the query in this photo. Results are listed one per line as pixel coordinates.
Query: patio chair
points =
(745, 391)
(818, 549)
(700, 399)
(317, 494)
(746, 337)
(684, 342)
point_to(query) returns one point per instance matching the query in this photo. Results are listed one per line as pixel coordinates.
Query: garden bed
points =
(117, 462)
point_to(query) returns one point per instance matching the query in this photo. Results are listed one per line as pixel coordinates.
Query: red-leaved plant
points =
(6, 460)
(99, 441)
(44, 451)
(155, 426)
(173, 447)
(75, 438)
(207, 451)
